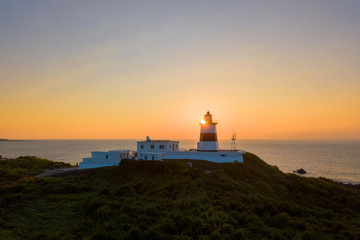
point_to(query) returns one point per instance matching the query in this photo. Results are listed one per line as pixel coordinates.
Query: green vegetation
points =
(15, 169)
(169, 200)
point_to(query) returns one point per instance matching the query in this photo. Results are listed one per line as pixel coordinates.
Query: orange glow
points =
(202, 121)
(267, 79)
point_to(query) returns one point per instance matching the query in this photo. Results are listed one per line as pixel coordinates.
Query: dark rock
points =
(352, 186)
(300, 171)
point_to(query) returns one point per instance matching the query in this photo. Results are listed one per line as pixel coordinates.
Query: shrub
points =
(102, 236)
(164, 200)
(134, 234)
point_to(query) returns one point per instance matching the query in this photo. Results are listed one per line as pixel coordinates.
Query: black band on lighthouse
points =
(208, 137)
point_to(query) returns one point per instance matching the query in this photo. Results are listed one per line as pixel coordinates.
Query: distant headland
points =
(7, 140)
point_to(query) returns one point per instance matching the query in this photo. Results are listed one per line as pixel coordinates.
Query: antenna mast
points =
(233, 142)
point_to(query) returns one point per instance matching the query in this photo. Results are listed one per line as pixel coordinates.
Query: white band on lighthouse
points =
(208, 136)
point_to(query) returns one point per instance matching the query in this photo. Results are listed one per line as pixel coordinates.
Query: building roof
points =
(157, 141)
(112, 151)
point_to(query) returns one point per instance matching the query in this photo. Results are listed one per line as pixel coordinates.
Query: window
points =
(152, 157)
(170, 146)
(161, 146)
(107, 156)
(145, 157)
(142, 146)
(176, 146)
(152, 146)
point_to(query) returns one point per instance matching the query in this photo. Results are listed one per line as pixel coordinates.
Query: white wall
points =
(209, 156)
(208, 146)
(99, 159)
(146, 150)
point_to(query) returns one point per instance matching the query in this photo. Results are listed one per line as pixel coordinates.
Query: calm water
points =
(335, 159)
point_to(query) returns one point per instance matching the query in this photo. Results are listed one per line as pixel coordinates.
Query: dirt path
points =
(49, 172)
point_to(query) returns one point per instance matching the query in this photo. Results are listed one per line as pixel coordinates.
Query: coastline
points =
(11, 140)
(336, 160)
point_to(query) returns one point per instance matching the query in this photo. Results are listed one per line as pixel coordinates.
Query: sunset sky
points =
(128, 69)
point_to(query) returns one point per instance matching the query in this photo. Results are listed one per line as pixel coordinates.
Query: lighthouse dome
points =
(208, 117)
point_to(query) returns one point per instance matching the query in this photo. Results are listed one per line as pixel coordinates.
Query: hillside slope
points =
(169, 200)
(15, 169)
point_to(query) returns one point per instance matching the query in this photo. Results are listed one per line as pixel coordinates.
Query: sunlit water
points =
(335, 159)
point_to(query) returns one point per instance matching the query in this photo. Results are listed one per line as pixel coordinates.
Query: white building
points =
(207, 147)
(104, 159)
(155, 149)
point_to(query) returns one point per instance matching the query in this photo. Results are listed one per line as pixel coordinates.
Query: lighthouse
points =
(208, 136)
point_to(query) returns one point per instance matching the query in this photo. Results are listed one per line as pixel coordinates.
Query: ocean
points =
(335, 159)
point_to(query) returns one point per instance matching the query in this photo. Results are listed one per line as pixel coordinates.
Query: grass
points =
(170, 200)
(25, 166)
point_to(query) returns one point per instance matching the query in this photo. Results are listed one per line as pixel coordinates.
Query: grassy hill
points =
(169, 200)
(15, 169)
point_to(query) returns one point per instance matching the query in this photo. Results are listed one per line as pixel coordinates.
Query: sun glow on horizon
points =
(266, 72)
